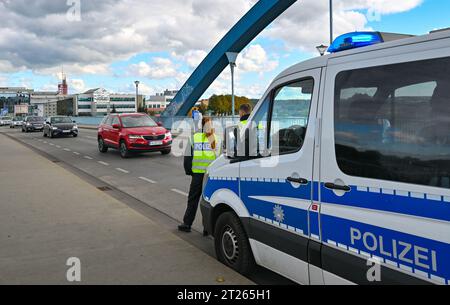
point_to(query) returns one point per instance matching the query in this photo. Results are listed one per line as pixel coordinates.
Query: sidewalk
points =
(48, 215)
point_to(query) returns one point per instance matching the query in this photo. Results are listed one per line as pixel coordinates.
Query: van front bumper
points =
(207, 216)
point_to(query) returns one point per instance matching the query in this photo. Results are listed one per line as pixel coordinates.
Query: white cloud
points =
(146, 89)
(48, 87)
(306, 24)
(7, 67)
(158, 68)
(110, 30)
(192, 57)
(3, 81)
(255, 59)
(77, 85)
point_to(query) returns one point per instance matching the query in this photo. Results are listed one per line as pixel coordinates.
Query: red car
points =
(133, 133)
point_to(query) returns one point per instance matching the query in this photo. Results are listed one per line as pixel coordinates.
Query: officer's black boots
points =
(184, 228)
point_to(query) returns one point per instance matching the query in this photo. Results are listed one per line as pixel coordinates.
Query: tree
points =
(221, 104)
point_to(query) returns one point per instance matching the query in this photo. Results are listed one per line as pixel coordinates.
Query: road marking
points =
(103, 163)
(93, 138)
(148, 180)
(40, 140)
(45, 142)
(57, 146)
(66, 149)
(180, 192)
(89, 158)
(76, 153)
(51, 144)
(122, 170)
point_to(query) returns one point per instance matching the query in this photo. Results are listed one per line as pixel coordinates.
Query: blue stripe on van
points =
(377, 201)
(406, 205)
(293, 217)
(338, 230)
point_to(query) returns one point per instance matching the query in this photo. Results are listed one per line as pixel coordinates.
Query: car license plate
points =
(66, 131)
(156, 143)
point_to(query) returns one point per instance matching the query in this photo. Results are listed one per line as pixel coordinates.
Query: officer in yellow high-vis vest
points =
(245, 111)
(204, 149)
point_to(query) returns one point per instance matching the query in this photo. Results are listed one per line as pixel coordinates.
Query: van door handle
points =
(297, 180)
(333, 186)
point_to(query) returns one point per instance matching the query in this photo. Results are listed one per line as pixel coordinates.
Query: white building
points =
(99, 102)
(45, 103)
(160, 101)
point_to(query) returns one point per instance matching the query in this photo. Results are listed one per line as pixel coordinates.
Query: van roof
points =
(322, 61)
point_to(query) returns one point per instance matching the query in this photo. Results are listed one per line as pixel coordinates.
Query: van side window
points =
(290, 116)
(397, 126)
(260, 121)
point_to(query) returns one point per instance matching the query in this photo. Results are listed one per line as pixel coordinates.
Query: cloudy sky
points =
(111, 43)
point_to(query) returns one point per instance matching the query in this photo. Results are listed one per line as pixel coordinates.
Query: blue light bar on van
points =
(355, 40)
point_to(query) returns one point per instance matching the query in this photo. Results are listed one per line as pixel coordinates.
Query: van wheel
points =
(124, 153)
(101, 146)
(231, 244)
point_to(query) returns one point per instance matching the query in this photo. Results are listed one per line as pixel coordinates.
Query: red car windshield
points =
(138, 121)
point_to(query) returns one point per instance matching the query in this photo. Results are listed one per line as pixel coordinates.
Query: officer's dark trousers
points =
(195, 192)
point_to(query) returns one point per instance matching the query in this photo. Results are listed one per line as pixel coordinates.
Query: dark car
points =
(33, 123)
(133, 133)
(60, 126)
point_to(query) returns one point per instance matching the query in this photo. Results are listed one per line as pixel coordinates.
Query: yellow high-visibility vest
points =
(204, 155)
(242, 124)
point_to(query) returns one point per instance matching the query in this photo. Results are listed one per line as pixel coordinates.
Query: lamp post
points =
(331, 22)
(232, 56)
(137, 94)
(322, 49)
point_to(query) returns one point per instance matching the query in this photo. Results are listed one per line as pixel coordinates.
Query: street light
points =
(322, 49)
(137, 94)
(232, 56)
(331, 22)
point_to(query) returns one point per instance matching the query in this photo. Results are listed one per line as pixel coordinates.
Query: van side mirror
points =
(159, 124)
(230, 142)
(241, 144)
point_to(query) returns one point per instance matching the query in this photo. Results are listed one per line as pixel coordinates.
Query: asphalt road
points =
(151, 178)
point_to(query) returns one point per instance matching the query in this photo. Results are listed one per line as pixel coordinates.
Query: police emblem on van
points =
(278, 213)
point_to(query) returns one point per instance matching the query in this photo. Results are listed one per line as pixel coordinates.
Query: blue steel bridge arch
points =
(240, 35)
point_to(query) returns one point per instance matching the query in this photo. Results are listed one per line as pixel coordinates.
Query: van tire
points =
(232, 245)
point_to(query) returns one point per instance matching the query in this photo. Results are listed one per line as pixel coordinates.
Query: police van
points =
(349, 182)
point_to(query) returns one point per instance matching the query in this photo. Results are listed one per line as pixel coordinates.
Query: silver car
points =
(5, 120)
(33, 123)
(16, 122)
